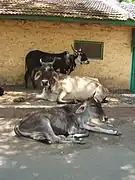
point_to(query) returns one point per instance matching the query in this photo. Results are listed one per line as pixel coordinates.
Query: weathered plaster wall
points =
(17, 38)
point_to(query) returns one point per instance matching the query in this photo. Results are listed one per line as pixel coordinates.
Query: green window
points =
(93, 50)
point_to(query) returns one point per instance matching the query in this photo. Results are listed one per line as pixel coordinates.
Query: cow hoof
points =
(62, 137)
(104, 100)
(19, 99)
(118, 133)
(58, 102)
(79, 141)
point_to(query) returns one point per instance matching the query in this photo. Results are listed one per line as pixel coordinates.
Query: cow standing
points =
(33, 62)
(64, 62)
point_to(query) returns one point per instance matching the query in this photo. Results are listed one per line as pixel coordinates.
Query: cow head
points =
(89, 111)
(80, 56)
(45, 73)
(42, 71)
(51, 83)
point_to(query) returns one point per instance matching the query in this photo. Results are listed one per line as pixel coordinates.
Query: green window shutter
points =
(93, 50)
(133, 38)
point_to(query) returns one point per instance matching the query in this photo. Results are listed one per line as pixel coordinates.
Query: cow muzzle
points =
(99, 120)
(45, 83)
(85, 62)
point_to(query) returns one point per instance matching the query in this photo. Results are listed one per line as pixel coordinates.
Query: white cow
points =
(71, 89)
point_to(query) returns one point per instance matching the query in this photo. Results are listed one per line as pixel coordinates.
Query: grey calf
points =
(67, 124)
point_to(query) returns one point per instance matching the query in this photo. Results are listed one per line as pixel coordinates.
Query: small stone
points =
(105, 138)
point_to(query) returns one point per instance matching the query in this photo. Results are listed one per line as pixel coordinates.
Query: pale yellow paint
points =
(17, 38)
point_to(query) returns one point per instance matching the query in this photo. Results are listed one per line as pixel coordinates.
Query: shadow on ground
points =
(115, 98)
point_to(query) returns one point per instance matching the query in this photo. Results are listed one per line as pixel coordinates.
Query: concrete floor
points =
(103, 157)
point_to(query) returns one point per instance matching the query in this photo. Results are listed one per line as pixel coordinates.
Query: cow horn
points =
(41, 61)
(52, 61)
(58, 71)
(73, 48)
(47, 63)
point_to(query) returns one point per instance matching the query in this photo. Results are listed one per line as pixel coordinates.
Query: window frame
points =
(93, 42)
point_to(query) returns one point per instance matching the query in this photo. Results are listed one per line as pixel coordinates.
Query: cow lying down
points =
(71, 89)
(67, 124)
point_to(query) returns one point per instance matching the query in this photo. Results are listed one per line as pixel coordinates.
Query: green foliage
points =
(131, 1)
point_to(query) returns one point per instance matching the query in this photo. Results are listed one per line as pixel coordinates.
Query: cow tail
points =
(17, 131)
(25, 66)
(25, 63)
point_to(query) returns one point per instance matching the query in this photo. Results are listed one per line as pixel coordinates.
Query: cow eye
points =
(81, 109)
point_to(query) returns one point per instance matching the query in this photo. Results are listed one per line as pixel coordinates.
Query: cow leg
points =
(61, 96)
(33, 80)
(31, 77)
(48, 131)
(72, 139)
(33, 83)
(53, 138)
(26, 78)
(104, 100)
(101, 130)
(81, 134)
(68, 71)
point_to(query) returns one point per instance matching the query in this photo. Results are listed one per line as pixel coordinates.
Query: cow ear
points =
(37, 75)
(58, 71)
(55, 78)
(81, 108)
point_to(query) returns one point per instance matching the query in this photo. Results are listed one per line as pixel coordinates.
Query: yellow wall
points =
(17, 38)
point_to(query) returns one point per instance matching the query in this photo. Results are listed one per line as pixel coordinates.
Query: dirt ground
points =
(115, 98)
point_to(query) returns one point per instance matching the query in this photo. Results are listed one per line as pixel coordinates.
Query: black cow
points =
(65, 124)
(33, 61)
(62, 61)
